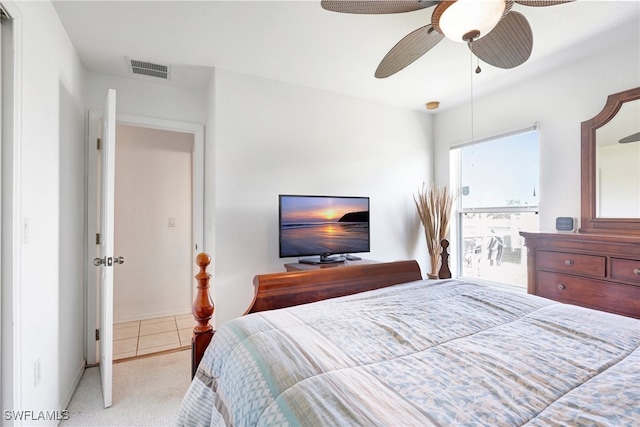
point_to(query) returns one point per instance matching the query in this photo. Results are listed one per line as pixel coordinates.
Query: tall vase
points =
(435, 259)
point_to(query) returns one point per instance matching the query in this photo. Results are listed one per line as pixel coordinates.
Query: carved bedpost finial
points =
(444, 272)
(203, 306)
(202, 311)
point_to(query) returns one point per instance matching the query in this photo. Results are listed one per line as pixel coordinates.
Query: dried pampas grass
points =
(434, 208)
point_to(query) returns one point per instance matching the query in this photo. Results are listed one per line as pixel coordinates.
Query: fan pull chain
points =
(478, 69)
(533, 163)
(471, 74)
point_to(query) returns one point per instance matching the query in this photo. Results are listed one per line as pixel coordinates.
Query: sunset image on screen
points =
(323, 225)
(319, 209)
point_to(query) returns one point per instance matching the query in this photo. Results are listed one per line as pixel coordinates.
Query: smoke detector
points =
(146, 68)
(432, 105)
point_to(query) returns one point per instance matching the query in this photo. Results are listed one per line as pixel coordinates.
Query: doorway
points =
(158, 221)
(153, 232)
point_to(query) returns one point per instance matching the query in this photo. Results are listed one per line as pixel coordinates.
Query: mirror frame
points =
(590, 223)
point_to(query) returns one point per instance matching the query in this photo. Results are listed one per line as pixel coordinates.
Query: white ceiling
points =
(300, 43)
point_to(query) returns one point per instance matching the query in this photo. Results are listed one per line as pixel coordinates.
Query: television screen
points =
(323, 225)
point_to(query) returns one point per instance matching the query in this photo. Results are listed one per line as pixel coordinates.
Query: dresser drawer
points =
(565, 262)
(625, 269)
(607, 296)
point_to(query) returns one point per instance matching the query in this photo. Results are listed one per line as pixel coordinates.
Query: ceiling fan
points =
(631, 138)
(495, 34)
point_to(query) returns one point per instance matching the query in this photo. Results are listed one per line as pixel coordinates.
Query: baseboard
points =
(154, 315)
(74, 385)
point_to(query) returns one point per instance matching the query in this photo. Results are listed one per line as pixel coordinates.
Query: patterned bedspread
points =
(423, 353)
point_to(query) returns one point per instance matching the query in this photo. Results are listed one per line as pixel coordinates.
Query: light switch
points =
(172, 222)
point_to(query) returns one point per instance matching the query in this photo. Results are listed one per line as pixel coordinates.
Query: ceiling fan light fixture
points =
(466, 20)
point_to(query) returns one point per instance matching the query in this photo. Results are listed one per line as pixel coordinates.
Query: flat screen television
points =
(322, 227)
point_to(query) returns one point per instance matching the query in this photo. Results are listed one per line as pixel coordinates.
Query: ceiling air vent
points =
(148, 69)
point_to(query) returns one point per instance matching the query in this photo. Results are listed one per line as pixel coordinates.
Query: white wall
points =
(153, 184)
(7, 230)
(559, 101)
(146, 98)
(271, 138)
(48, 317)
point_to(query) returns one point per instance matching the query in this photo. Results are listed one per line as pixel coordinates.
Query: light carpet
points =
(146, 392)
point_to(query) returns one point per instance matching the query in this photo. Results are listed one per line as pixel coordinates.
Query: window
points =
(497, 181)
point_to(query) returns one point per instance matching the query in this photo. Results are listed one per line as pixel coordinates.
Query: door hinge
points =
(99, 143)
(97, 334)
(98, 239)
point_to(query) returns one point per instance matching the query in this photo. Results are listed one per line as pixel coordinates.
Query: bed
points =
(413, 352)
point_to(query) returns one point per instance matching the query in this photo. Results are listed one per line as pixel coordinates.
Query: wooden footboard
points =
(286, 289)
(279, 290)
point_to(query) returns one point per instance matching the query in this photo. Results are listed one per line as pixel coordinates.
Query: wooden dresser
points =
(592, 270)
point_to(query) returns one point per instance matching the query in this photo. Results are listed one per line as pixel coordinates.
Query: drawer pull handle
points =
(568, 262)
(562, 286)
(636, 271)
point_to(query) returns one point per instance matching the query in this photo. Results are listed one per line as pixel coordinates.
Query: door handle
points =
(98, 261)
(119, 260)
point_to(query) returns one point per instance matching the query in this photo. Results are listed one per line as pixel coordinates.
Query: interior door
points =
(105, 260)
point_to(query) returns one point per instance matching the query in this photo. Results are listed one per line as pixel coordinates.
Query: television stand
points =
(323, 259)
(299, 266)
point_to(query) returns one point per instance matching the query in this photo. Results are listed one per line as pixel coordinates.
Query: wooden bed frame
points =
(286, 289)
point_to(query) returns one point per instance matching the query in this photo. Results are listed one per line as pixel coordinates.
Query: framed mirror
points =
(610, 167)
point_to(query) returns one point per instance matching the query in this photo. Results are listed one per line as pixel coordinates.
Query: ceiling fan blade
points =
(375, 6)
(508, 45)
(542, 3)
(411, 47)
(631, 138)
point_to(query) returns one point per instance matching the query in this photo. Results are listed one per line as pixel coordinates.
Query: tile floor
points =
(152, 336)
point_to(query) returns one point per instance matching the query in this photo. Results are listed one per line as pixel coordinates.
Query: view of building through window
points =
(497, 182)
(491, 247)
